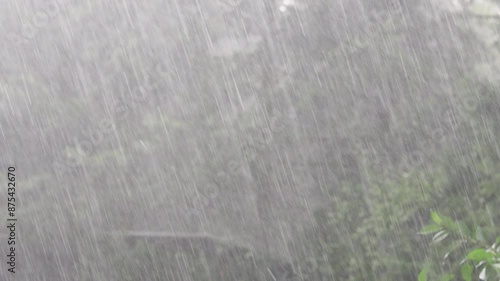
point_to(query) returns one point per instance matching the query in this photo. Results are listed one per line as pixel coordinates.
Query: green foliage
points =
(480, 259)
(389, 104)
(422, 276)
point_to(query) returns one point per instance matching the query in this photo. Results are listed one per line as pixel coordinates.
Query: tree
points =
(476, 256)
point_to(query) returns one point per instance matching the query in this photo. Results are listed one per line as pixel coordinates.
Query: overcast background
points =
(246, 139)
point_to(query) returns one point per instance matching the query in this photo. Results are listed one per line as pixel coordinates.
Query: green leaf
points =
(463, 229)
(449, 223)
(429, 229)
(447, 277)
(436, 218)
(466, 271)
(479, 255)
(422, 276)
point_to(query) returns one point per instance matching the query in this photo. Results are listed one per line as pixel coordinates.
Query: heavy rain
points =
(250, 140)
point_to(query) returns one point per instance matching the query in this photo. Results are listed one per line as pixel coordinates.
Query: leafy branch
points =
(482, 257)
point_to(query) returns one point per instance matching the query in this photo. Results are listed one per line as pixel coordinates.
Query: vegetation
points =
(482, 259)
(316, 143)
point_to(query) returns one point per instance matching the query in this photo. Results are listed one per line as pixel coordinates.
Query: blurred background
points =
(247, 139)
